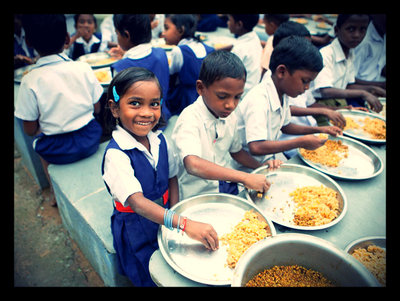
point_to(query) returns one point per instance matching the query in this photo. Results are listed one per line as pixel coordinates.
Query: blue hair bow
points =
(116, 96)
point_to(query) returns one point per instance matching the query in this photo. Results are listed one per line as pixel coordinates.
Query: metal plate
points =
(94, 59)
(362, 162)
(189, 257)
(278, 205)
(359, 134)
(364, 242)
(19, 73)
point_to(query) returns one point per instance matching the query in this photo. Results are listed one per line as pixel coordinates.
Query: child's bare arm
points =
(245, 159)
(31, 128)
(208, 170)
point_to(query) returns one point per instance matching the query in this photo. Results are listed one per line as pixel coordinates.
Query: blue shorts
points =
(69, 147)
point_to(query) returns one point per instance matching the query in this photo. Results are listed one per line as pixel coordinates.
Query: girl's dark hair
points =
(220, 64)
(122, 82)
(76, 17)
(296, 53)
(289, 28)
(185, 22)
(46, 33)
(137, 25)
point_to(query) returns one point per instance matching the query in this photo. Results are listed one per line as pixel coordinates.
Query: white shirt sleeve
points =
(26, 107)
(119, 176)
(172, 159)
(176, 60)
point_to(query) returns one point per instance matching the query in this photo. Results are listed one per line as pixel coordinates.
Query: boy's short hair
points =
(220, 64)
(342, 18)
(289, 28)
(278, 19)
(45, 33)
(296, 53)
(138, 26)
(248, 20)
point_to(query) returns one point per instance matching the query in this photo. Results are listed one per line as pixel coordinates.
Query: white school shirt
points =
(337, 72)
(177, 56)
(118, 171)
(261, 115)
(248, 48)
(370, 55)
(197, 132)
(60, 93)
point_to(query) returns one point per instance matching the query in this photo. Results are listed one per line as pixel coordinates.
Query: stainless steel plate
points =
(189, 257)
(362, 162)
(94, 59)
(359, 134)
(278, 205)
(19, 73)
(364, 242)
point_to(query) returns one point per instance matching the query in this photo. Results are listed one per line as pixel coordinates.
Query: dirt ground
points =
(44, 253)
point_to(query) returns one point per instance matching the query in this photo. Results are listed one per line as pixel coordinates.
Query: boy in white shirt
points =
(264, 113)
(247, 47)
(205, 133)
(337, 79)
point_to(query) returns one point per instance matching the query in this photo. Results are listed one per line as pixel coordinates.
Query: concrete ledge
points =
(85, 207)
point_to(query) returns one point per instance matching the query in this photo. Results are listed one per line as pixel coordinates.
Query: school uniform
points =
(60, 94)
(20, 47)
(197, 132)
(151, 58)
(81, 47)
(128, 167)
(338, 71)
(370, 55)
(261, 115)
(248, 48)
(185, 66)
(303, 101)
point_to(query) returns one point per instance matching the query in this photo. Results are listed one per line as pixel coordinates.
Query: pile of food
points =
(330, 154)
(374, 259)
(289, 276)
(248, 231)
(315, 205)
(375, 127)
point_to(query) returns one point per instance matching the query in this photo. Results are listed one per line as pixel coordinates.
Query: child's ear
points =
(199, 86)
(114, 108)
(280, 71)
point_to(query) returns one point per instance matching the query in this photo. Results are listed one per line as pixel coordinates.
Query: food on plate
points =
(101, 62)
(103, 76)
(374, 259)
(315, 205)
(247, 232)
(289, 276)
(375, 127)
(330, 154)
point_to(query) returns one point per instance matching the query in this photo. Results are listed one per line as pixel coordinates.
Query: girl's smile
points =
(139, 108)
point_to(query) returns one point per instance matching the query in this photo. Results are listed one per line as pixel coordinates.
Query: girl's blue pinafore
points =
(135, 237)
(182, 91)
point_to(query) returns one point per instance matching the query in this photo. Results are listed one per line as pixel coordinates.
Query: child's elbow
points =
(255, 148)
(191, 165)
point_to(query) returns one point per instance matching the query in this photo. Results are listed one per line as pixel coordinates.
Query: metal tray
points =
(362, 162)
(189, 257)
(364, 242)
(359, 134)
(278, 205)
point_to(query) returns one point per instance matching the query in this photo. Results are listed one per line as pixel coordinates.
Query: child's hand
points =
(336, 117)
(204, 233)
(373, 101)
(312, 142)
(257, 182)
(331, 130)
(273, 164)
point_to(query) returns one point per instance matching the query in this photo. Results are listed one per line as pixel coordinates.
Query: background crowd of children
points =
(237, 107)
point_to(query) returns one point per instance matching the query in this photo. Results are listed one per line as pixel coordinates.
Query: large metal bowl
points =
(304, 250)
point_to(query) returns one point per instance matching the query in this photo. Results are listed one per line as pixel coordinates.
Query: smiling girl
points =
(139, 171)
